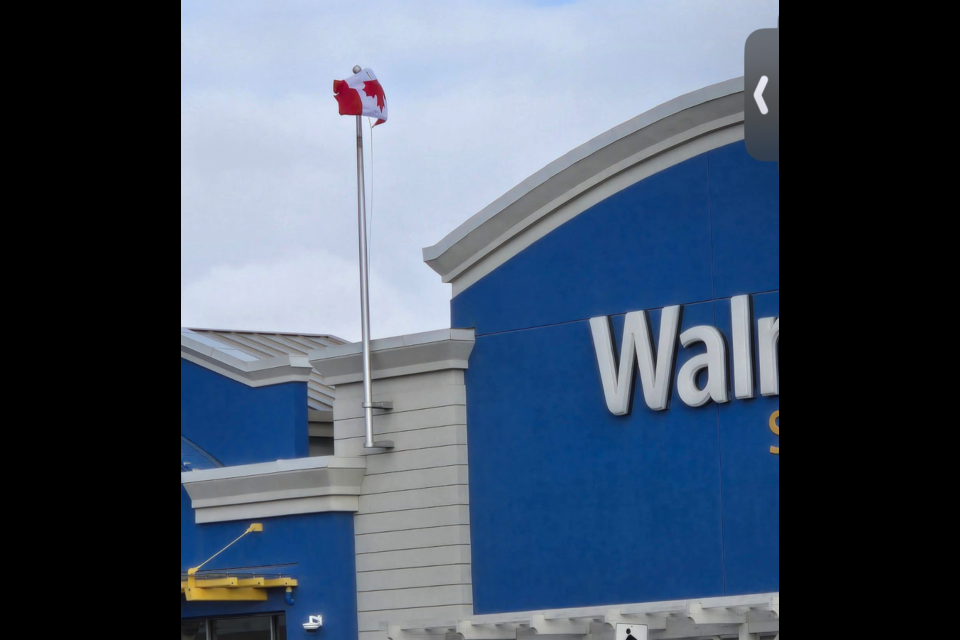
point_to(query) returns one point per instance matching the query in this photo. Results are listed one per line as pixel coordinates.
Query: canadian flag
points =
(361, 95)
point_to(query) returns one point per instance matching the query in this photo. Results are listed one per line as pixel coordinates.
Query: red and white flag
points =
(361, 95)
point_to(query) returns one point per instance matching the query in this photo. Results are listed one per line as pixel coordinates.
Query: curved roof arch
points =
(648, 144)
(193, 458)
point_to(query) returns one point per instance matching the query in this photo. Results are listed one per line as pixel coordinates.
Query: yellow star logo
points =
(775, 427)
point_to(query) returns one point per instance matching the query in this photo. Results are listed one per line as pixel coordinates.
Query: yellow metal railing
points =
(227, 588)
(232, 589)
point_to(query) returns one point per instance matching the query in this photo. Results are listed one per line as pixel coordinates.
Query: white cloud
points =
(482, 93)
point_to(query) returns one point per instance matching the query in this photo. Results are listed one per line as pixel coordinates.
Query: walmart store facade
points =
(592, 452)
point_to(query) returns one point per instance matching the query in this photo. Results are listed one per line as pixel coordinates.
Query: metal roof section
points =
(657, 140)
(260, 345)
(239, 364)
(193, 458)
(217, 346)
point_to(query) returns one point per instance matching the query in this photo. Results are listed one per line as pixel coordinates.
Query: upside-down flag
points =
(361, 95)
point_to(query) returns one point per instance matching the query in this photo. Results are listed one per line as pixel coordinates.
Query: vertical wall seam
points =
(713, 285)
(723, 515)
(713, 252)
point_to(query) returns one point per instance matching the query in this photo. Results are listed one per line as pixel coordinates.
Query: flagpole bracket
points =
(378, 447)
(382, 406)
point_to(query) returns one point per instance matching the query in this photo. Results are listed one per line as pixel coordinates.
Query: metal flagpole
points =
(368, 403)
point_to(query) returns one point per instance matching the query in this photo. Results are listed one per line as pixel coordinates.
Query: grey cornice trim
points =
(260, 373)
(394, 357)
(320, 416)
(752, 616)
(693, 121)
(295, 487)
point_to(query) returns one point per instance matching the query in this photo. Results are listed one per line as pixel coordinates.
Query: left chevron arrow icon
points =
(758, 95)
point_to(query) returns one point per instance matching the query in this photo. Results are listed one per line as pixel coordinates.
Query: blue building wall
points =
(317, 550)
(188, 543)
(240, 425)
(236, 425)
(572, 506)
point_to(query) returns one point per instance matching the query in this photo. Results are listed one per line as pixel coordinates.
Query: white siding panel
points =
(415, 460)
(402, 521)
(416, 539)
(413, 578)
(419, 499)
(413, 526)
(414, 558)
(405, 402)
(412, 598)
(422, 479)
(388, 423)
(404, 384)
(408, 440)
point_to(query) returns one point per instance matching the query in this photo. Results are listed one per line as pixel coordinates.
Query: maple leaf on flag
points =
(373, 89)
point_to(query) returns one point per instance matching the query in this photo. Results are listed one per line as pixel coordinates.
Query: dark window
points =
(255, 628)
(193, 630)
(243, 629)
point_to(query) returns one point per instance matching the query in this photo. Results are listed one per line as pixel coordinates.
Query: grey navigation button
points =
(763, 95)
(758, 95)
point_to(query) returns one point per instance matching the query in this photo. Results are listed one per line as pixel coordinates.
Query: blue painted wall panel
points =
(318, 550)
(745, 209)
(188, 539)
(654, 240)
(751, 481)
(572, 506)
(240, 425)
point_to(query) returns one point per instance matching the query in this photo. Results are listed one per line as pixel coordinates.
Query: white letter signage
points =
(704, 378)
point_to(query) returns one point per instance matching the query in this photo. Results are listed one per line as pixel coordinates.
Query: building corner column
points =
(412, 531)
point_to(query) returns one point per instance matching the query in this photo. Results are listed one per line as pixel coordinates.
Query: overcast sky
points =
(482, 94)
